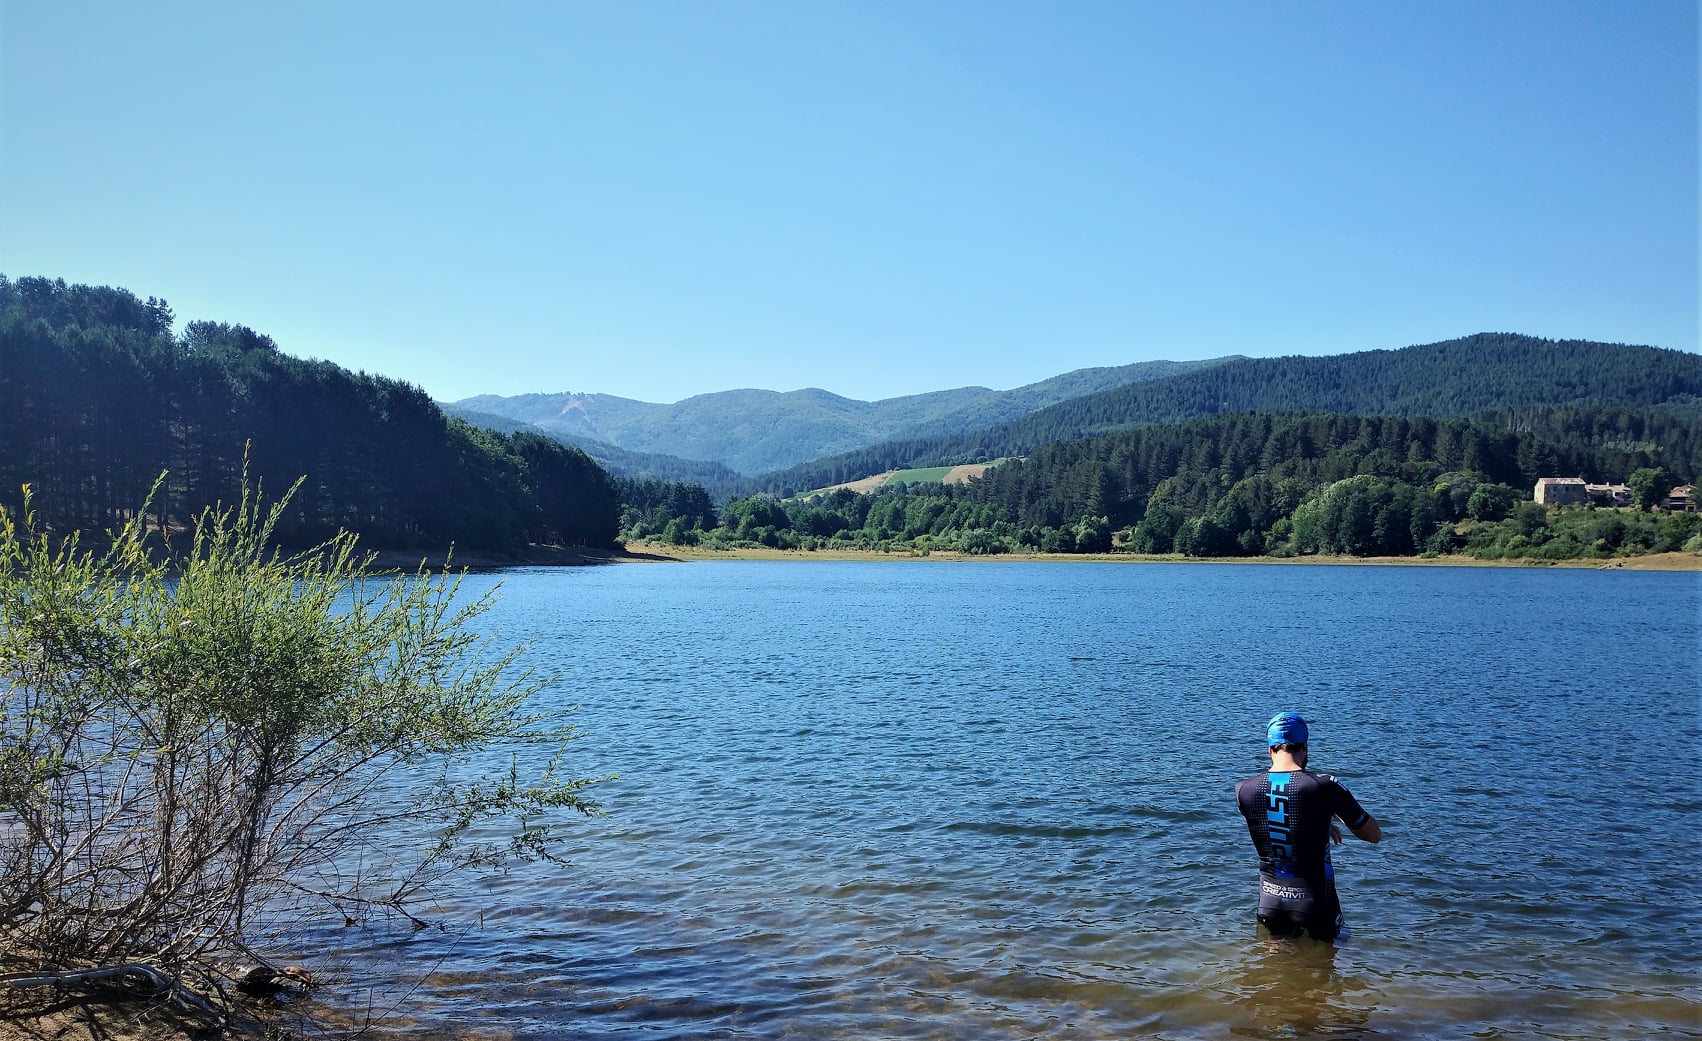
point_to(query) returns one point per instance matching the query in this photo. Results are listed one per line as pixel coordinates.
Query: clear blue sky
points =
(659, 199)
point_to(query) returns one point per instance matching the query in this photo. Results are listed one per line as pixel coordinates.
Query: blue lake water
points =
(994, 800)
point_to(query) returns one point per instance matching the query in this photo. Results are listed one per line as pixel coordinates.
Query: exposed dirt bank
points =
(83, 1014)
(533, 556)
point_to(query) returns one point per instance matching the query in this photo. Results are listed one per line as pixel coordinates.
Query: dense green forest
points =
(1275, 484)
(98, 397)
(1475, 375)
(666, 509)
(1200, 463)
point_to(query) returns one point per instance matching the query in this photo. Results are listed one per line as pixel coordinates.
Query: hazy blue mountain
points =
(718, 479)
(755, 431)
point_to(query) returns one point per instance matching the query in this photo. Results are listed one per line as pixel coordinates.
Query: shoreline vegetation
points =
(198, 739)
(660, 551)
(657, 551)
(645, 551)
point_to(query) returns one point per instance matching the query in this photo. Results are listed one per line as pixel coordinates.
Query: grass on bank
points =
(914, 475)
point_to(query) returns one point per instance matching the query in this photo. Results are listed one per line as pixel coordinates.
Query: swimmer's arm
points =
(1370, 831)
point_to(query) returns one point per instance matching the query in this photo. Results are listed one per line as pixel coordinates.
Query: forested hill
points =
(1464, 377)
(1200, 463)
(98, 397)
(1453, 378)
(1280, 484)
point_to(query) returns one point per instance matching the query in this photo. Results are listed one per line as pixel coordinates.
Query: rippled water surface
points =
(994, 800)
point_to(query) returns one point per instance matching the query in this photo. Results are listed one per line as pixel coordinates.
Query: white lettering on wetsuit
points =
(1278, 826)
(1269, 888)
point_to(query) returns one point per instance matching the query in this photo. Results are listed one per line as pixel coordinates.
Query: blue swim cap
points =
(1286, 728)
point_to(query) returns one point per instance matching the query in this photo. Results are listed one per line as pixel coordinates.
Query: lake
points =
(924, 799)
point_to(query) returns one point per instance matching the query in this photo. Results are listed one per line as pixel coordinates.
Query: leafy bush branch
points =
(203, 747)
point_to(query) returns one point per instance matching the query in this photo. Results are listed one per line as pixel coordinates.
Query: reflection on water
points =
(995, 801)
(1290, 988)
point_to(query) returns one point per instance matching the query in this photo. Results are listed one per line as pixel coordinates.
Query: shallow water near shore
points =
(994, 801)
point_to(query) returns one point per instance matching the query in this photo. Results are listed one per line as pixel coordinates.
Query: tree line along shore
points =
(1066, 501)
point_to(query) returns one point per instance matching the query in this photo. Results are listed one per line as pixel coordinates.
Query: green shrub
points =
(196, 747)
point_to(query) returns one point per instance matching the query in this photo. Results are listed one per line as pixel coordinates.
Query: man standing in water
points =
(1289, 815)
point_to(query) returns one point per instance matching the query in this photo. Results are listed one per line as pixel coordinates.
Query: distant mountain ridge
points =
(719, 480)
(757, 431)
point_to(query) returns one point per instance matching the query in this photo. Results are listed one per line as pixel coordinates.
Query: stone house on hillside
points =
(1572, 491)
(1562, 491)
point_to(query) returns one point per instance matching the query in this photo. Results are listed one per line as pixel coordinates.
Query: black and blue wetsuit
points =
(1288, 816)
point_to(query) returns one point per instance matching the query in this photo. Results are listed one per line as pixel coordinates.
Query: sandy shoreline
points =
(647, 552)
(408, 561)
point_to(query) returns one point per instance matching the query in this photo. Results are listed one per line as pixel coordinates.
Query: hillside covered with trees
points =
(98, 397)
(1489, 372)
(1280, 484)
